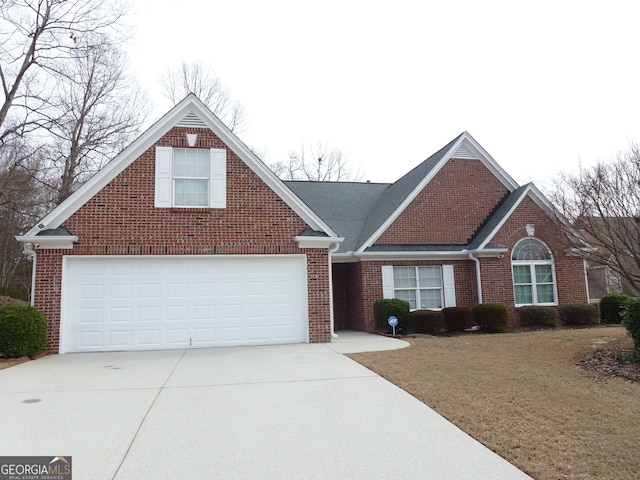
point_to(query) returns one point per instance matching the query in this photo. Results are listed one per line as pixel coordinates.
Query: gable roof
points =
(400, 195)
(190, 112)
(361, 212)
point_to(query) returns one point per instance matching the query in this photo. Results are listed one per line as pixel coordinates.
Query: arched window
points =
(533, 273)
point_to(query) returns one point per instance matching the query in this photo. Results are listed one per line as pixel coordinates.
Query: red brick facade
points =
(452, 207)
(121, 220)
(457, 201)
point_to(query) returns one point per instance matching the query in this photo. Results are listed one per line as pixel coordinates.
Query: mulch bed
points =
(604, 361)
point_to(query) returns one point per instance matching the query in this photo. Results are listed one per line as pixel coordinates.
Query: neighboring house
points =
(186, 239)
(614, 243)
(602, 280)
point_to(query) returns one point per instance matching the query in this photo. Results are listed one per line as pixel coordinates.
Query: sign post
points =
(393, 322)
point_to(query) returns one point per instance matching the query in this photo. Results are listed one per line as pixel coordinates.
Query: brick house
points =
(186, 239)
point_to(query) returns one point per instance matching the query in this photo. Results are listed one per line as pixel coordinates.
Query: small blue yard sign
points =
(393, 322)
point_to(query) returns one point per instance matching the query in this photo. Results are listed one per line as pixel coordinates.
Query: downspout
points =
(478, 278)
(332, 249)
(30, 249)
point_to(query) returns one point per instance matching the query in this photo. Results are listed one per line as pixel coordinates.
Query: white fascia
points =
(318, 242)
(47, 241)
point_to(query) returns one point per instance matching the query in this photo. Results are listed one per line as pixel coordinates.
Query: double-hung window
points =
(190, 177)
(424, 287)
(533, 273)
(420, 286)
(191, 171)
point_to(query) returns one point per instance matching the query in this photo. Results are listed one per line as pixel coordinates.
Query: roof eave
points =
(40, 242)
(422, 255)
(318, 242)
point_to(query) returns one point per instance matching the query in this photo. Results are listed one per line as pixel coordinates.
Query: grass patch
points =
(524, 396)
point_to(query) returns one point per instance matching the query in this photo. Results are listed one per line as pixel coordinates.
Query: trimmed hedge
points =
(579, 314)
(631, 320)
(492, 317)
(387, 307)
(425, 321)
(534, 316)
(457, 319)
(611, 307)
(23, 331)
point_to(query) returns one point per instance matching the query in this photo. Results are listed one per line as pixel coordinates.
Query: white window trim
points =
(164, 179)
(534, 291)
(447, 289)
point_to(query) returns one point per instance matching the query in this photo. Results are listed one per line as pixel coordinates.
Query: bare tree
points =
(100, 111)
(21, 202)
(602, 206)
(36, 38)
(319, 163)
(178, 82)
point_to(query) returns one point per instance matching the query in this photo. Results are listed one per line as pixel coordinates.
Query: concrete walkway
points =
(277, 412)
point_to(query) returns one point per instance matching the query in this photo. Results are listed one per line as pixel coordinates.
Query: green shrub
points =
(535, 316)
(425, 321)
(387, 307)
(492, 317)
(457, 319)
(579, 314)
(631, 320)
(23, 331)
(611, 306)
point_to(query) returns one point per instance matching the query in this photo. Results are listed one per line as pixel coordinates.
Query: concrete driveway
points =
(278, 412)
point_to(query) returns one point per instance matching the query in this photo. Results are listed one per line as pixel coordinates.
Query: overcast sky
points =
(542, 86)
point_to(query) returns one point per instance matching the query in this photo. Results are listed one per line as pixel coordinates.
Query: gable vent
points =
(465, 152)
(191, 120)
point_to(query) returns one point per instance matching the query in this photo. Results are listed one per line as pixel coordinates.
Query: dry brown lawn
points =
(525, 397)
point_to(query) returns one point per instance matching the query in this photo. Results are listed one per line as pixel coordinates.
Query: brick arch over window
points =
(533, 273)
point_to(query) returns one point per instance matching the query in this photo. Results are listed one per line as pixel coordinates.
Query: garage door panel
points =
(121, 338)
(150, 290)
(91, 315)
(149, 337)
(203, 336)
(122, 314)
(149, 314)
(131, 303)
(92, 292)
(284, 331)
(231, 334)
(91, 340)
(177, 336)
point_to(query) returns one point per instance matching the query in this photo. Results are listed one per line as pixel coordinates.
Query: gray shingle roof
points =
(356, 210)
(344, 206)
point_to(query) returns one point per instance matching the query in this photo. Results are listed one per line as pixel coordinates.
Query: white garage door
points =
(151, 303)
